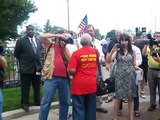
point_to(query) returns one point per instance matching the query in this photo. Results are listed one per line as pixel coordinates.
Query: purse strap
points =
(114, 65)
(99, 67)
(64, 57)
(48, 51)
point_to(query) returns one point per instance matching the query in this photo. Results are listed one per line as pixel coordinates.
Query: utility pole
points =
(155, 24)
(68, 15)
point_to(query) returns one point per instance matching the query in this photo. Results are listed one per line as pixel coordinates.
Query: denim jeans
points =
(84, 107)
(50, 86)
(1, 104)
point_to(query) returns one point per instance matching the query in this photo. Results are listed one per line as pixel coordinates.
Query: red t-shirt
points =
(84, 79)
(59, 66)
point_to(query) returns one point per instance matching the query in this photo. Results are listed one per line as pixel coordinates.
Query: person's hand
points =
(157, 59)
(115, 48)
(141, 71)
(107, 66)
(63, 36)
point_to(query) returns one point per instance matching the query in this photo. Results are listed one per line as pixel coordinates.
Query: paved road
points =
(144, 104)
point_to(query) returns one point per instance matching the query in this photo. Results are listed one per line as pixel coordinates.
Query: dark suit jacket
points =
(29, 62)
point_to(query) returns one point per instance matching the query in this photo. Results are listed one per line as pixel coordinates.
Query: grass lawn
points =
(12, 98)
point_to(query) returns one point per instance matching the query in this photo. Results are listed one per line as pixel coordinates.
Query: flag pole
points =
(68, 15)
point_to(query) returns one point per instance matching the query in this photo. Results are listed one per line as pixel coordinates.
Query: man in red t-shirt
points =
(83, 67)
(57, 57)
(95, 44)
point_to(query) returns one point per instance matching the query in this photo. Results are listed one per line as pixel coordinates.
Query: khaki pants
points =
(153, 78)
(99, 101)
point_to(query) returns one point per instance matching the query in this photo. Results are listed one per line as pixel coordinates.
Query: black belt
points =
(156, 69)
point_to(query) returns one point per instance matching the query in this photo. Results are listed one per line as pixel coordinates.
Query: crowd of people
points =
(74, 73)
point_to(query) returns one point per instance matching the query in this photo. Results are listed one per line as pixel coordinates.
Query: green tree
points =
(57, 28)
(111, 35)
(47, 26)
(98, 34)
(12, 14)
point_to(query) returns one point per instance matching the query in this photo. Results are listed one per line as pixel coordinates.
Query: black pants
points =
(144, 67)
(26, 81)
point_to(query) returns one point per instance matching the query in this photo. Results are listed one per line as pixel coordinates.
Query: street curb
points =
(35, 109)
(32, 110)
(20, 112)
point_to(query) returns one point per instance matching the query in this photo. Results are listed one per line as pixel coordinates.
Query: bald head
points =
(118, 34)
(86, 39)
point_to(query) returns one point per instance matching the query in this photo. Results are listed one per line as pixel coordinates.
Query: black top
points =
(111, 45)
(140, 43)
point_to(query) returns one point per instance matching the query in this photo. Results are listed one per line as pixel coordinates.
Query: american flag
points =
(82, 25)
(80, 33)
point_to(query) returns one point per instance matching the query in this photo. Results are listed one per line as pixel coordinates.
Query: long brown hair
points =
(129, 47)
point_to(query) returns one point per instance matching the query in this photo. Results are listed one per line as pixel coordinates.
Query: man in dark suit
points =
(28, 53)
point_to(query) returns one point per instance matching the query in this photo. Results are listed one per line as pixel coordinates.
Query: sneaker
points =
(142, 95)
(125, 100)
(136, 114)
(108, 100)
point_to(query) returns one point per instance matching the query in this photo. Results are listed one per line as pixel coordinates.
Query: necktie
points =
(33, 45)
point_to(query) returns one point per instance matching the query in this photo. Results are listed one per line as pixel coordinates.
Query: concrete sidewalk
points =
(53, 114)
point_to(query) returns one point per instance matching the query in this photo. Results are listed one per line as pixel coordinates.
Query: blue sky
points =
(103, 14)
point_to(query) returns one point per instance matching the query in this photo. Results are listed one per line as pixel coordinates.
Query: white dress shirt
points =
(34, 40)
(139, 76)
(138, 55)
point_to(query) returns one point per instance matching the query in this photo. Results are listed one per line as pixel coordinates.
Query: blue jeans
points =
(84, 107)
(1, 104)
(50, 86)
